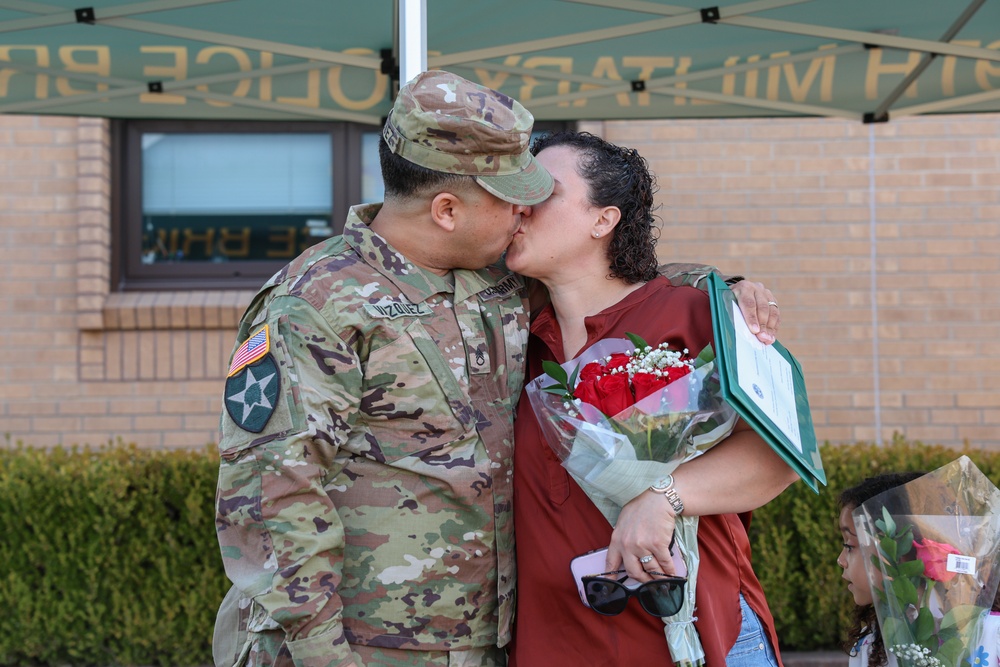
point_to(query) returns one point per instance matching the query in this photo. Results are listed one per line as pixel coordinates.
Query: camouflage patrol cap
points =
(446, 123)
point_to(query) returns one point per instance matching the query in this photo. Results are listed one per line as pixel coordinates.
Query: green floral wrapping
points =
(682, 638)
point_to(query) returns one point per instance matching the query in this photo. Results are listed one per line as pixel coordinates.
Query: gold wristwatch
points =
(665, 485)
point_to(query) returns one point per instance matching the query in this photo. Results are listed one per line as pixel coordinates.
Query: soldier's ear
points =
(446, 210)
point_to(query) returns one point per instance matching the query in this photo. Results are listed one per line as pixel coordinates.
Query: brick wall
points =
(82, 365)
(882, 244)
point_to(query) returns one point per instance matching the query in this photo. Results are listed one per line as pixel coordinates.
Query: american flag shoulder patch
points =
(255, 347)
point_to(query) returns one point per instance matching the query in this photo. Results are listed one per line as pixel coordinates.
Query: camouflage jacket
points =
(365, 484)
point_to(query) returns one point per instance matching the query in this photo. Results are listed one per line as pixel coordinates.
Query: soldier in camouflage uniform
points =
(364, 497)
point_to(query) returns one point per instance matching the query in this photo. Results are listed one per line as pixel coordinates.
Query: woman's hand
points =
(739, 474)
(645, 527)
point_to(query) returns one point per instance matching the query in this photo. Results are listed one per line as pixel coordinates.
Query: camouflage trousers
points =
(246, 637)
(372, 656)
(268, 650)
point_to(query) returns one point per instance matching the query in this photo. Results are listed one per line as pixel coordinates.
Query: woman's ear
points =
(445, 210)
(607, 220)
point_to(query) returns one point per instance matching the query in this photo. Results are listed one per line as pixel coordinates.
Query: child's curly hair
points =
(865, 621)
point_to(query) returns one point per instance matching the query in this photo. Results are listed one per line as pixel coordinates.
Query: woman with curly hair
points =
(592, 244)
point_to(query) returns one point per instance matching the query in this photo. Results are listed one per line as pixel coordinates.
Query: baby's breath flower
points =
(655, 360)
(915, 655)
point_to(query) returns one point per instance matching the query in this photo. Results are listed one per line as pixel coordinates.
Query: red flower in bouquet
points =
(622, 379)
(935, 558)
(612, 392)
(644, 384)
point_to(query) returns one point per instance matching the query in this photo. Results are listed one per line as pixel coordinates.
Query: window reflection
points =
(232, 197)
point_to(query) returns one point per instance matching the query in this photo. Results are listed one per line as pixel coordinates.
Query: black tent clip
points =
(85, 15)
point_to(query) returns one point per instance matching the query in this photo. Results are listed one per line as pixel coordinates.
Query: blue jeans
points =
(753, 646)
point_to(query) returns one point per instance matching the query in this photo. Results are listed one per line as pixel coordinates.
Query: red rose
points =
(591, 371)
(935, 558)
(677, 372)
(586, 391)
(617, 360)
(645, 384)
(615, 393)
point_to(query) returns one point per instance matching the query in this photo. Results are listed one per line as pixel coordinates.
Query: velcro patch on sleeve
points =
(253, 393)
(254, 348)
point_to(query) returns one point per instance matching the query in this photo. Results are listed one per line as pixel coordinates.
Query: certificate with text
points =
(765, 385)
(767, 379)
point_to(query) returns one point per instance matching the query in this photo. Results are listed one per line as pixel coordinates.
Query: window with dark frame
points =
(225, 204)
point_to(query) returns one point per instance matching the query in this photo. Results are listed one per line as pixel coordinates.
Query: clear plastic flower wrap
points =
(623, 415)
(619, 455)
(932, 556)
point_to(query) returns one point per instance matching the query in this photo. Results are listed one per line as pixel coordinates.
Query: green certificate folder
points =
(764, 384)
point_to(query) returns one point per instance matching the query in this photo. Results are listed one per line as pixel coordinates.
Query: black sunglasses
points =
(660, 597)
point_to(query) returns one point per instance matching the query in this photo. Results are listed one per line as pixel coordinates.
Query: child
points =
(864, 639)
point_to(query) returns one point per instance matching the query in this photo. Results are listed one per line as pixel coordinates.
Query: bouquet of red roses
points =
(623, 402)
(621, 416)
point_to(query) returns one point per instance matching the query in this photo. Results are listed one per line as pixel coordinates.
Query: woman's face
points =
(559, 230)
(852, 562)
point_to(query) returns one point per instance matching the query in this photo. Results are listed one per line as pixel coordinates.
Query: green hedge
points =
(108, 556)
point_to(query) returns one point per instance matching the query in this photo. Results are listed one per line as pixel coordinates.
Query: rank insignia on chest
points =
(252, 394)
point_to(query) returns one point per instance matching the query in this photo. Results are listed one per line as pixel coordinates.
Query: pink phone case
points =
(587, 564)
(592, 563)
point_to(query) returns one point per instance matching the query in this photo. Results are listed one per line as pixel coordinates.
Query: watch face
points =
(662, 483)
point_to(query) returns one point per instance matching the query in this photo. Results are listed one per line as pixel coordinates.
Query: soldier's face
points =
(490, 224)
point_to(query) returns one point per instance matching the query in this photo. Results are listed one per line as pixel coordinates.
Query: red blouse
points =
(555, 521)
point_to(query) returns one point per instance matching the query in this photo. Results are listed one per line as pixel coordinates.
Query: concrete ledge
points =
(814, 658)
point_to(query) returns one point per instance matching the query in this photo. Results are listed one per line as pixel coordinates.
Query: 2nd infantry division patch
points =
(252, 394)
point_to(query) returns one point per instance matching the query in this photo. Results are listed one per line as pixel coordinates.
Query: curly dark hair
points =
(403, 178)
(617, 176)
(865, 620)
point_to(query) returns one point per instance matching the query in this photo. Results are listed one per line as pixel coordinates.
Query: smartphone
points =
(592, 563)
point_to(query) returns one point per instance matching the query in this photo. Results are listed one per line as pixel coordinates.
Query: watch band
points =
(674, 499)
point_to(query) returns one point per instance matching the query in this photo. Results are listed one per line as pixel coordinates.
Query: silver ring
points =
(773, 303)
(645, 559)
